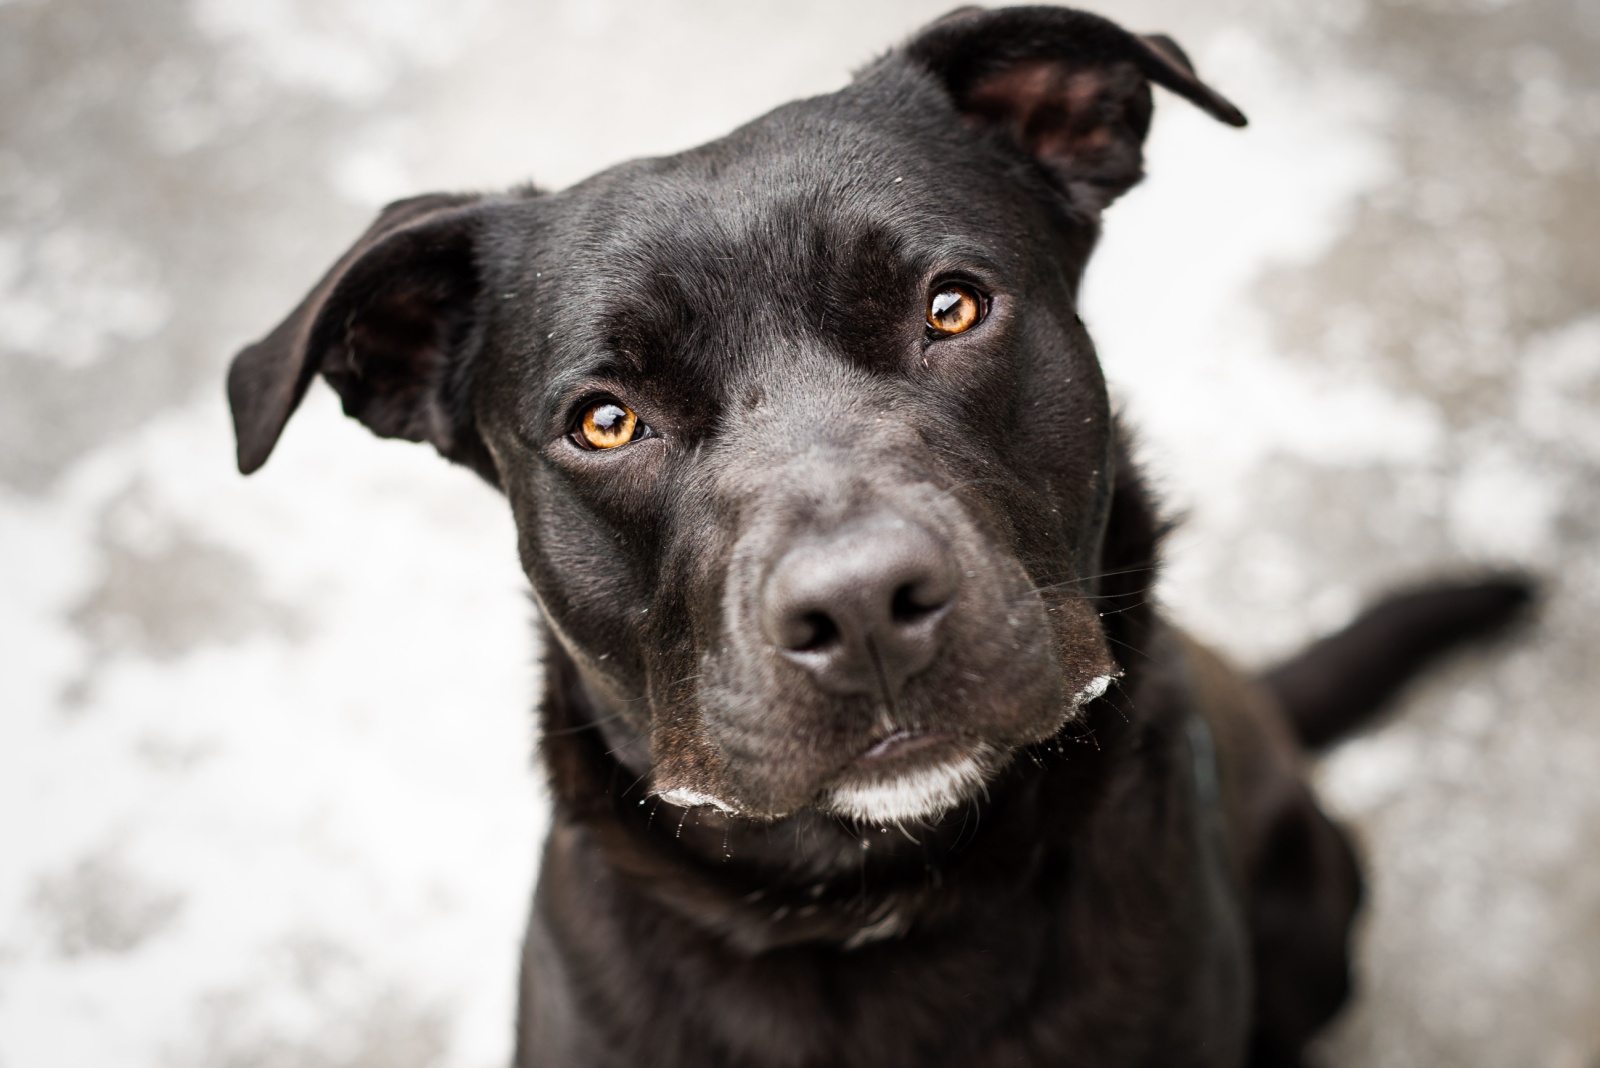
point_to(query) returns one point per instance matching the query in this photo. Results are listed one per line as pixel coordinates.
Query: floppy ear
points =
(392, 328)
(1068, 88)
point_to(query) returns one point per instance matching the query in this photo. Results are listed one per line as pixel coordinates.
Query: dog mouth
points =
(905, 743)
(910, 775)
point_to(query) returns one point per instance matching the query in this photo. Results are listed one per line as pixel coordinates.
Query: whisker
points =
(1126, 608)
(1134, 570)
(581, 727)
(1089, 578)
(634, 783)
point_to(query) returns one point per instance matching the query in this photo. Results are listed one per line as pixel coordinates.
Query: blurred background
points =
(265, 788)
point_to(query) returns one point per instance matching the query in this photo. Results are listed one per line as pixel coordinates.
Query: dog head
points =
(809, 453)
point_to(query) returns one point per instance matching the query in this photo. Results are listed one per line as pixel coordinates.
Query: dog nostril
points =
(816, 630)
(916, 601)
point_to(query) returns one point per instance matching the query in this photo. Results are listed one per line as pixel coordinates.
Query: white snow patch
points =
(352, 50)
(373, 171)
(1558, 389)
(371, 786)
(1366, 773)
(1504, 506)
(1170, 300)
(71, 295)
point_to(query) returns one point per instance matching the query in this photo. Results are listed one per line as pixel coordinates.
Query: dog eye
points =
(606, 425)
(953, 308)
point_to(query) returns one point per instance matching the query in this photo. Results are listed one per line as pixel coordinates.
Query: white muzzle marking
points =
(916, 795)
(1094, 690)
(686, 798)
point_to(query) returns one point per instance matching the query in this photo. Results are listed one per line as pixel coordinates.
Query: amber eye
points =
(954, 307)
(606, 425)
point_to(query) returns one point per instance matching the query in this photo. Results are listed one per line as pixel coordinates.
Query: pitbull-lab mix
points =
(866, 743)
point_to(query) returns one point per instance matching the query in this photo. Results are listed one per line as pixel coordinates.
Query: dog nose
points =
(861, 609)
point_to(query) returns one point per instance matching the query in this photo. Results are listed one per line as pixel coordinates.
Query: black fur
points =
(736, 873)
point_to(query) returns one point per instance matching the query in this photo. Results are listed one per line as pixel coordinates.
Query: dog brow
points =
(961, 250)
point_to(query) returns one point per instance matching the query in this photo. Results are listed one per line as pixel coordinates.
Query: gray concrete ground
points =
(264, 794)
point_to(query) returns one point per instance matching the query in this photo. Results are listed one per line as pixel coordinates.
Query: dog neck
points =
(812, 877)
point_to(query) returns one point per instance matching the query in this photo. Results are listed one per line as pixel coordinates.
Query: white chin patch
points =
(916, 795)
(686, 798)
(1096, 689)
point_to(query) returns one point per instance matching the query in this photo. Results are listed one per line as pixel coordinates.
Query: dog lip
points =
(918, 775)
(902, 743)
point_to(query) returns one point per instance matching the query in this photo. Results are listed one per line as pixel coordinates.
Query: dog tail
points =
(1341, 681)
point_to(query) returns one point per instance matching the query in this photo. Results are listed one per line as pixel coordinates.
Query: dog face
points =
(809, 453)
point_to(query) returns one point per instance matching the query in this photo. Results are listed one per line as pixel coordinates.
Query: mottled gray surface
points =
(264, 797)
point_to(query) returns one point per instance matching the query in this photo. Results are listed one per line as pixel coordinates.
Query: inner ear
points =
(395, 334)
(393, 327)
(1084, 124)
(1069, 89)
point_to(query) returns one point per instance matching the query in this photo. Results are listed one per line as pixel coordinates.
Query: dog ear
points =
(392, 328)
(1069, 88)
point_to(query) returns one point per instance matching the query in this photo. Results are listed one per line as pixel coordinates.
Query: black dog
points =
(867, 747)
